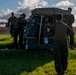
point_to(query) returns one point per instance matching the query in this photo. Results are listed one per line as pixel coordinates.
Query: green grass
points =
(16, 62)
(6, 41)
(28, 62)
(48, 68)
(22, 62)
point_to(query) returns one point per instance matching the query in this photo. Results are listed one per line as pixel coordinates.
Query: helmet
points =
(70, 9)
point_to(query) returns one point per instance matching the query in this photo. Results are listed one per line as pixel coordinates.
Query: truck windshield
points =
(35, 19)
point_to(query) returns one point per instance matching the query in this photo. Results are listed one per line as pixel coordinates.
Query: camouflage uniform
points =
(18, 30)
(70, 22)
(60, 55)
(60, 47)
(12, 22)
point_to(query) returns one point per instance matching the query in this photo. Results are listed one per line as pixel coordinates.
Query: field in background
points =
(6, 42)
(4, 30)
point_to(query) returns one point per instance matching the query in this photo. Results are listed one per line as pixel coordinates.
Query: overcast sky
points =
(20, 6)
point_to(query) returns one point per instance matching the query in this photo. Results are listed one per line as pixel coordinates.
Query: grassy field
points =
(28, 62)
(6, 41)
(20, 62)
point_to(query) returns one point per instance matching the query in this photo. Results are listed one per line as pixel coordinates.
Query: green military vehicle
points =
(36, 33)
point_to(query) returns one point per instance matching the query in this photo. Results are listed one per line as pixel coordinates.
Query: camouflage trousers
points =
(11, 29)
(60, 49)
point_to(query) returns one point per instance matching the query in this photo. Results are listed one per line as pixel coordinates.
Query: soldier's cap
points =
(12, 13)
(23, 14)
(70, 8)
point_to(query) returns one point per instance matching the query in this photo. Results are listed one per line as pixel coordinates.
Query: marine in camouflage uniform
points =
(70, 22)
(18, 30)
(60, 32)
(12, 22)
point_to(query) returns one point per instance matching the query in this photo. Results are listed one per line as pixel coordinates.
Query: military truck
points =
(36, 33)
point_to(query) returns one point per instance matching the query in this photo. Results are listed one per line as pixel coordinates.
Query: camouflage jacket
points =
(60, 31)
(12, 20)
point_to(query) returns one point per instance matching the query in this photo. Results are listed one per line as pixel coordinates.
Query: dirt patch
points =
(4, 30)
